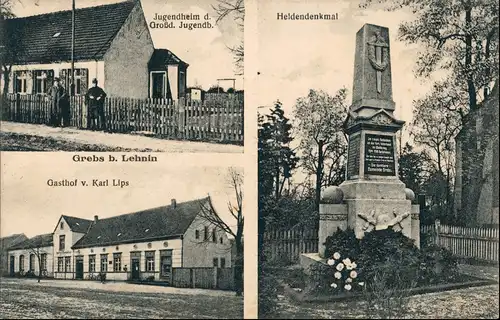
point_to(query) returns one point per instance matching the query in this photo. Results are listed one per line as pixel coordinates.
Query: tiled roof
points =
(46, 38)
(77, 224)
(163, 57)
(157, 223)
(43, 240)
(12, 240)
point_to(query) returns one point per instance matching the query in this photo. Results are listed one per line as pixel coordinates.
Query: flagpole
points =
(72, 87)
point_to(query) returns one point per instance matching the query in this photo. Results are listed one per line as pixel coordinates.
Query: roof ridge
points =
(64, 215)
(76, 9)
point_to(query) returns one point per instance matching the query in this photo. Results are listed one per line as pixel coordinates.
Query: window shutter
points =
(85, 81)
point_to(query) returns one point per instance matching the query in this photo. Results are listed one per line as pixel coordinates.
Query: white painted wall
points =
(26, 252)
(70, 239)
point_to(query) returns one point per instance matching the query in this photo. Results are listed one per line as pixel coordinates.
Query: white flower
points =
(348, 280)
(353, 274)
(337, 275)
(336, 255)
(361, 283)
(340, 266)
(347, 261)
(353, 265)
(347, 287)
(333, 285)
(331, 262)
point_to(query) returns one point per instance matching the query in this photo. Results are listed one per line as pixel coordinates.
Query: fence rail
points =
(287, 245)
(206, 278)
(211, 119)
(472, 243)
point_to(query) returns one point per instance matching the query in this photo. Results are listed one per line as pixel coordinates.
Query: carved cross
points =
(379, 56)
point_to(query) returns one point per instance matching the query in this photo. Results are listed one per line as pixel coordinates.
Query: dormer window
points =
(62, 225)
(119, 234)
(147, 230)
(56, 35)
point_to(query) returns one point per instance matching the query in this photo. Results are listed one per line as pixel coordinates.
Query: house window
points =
(62, 225)
(150, 261)
(21, 83)
(216, 262)
(41, 83)
(104, 263)
(197, 234)
(32, 262)
(117, 262)
(62, 238)
(43, 261)
(214, 236)
(60, 264)
(182, 83)
(222, 262)
(67, 264)
(81, 80)
(92, 263)
(21, 263)
(221, 240)
(205, 237)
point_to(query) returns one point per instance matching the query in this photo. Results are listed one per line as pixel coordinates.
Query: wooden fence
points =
(209, 120)
(471, 243)
(285, 246)
(206, 278)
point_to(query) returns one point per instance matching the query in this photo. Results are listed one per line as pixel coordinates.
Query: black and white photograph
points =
(130, 241)
(378, 159)
(129, 75)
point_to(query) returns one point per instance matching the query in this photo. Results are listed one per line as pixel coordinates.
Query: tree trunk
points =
(238, 265)
(319, 175)
(468, 60)
(6, 78)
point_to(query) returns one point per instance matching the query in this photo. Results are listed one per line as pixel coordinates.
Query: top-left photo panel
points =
(110, 75)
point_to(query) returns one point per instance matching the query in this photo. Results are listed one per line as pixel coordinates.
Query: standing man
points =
(95, 102)
(60, 104)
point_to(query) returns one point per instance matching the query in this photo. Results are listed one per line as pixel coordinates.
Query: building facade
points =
(112, 44)
(143, 245)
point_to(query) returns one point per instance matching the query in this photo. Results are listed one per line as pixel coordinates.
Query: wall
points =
(125, 250)
(70, 239)
(95, 70)
(173, 79)
(26, 253)
(199, 253)
(126, 61)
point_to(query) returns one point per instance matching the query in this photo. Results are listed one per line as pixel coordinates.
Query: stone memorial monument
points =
(372, 196)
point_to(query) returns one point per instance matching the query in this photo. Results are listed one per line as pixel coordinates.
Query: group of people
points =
(94, 98)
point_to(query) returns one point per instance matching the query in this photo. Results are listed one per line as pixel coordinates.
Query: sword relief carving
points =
(378, 54)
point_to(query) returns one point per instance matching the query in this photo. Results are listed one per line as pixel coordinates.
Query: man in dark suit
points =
(60, 104)
(95, 102)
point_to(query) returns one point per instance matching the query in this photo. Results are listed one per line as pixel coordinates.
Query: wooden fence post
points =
(193, 278)
(437, 225)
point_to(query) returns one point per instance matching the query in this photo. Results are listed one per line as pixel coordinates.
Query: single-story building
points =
(5, 244)
(136, 246)
(112, 44)
(32, 255)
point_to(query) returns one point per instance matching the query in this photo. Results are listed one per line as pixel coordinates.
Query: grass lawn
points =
(28, 300)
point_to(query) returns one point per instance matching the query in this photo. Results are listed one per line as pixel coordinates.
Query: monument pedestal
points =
(372, 197)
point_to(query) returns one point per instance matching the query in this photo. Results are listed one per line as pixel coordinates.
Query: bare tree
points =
(209, 214)
(226, 9)
(36, 247)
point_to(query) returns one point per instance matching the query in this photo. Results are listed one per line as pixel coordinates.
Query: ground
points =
(56, 299)
(33, 137)
(468, 303)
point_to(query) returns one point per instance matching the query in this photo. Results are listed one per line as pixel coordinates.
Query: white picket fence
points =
(473, 243)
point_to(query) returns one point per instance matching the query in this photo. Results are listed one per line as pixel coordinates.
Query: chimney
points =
(96, 217)
(174, 203)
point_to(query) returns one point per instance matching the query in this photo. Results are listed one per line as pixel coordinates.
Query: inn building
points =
(144, 245)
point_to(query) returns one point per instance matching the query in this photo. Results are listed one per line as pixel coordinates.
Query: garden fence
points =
(471, 243)
(213, 119)
(287, 245)
(206, 278)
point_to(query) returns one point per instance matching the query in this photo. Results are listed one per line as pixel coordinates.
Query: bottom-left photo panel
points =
(87, 240)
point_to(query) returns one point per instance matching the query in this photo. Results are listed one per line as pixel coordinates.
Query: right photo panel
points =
(378, 173)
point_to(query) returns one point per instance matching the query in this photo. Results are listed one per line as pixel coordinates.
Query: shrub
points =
(437, 265)
(268, 292)
(297, 278)
(344, 242)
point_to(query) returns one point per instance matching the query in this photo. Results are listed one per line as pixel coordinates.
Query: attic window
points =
(77, 224)
(119, 234)
(56, 35)
(98, 237)
(147, 230)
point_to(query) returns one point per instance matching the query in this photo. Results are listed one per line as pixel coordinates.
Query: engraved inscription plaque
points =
(379, 155)
(353, 157)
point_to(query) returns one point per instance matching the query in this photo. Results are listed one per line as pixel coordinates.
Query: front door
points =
(11, 269)
(79, 269)
(166, 265)
(136, 274)
(158, 85)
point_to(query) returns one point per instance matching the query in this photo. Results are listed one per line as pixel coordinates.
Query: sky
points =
(31, 207)
(205, 50)
(301, 55)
